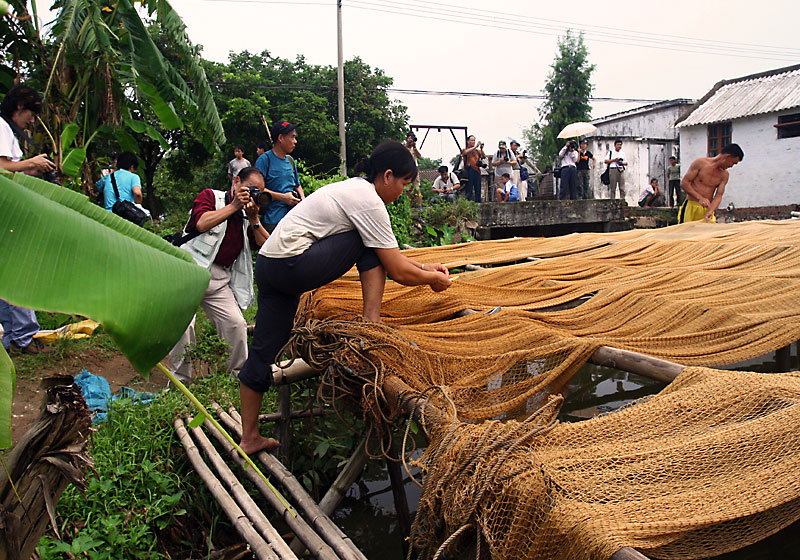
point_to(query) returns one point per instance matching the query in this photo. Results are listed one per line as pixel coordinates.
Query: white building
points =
(648, 139)
(761, 113)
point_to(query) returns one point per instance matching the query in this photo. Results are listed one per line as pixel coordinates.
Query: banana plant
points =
(99, 64)
(62, 253)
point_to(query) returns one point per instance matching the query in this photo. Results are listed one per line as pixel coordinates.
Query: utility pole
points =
(340, 80)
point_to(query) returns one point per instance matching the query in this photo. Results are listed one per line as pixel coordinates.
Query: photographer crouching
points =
(222, 228)
(18, 110)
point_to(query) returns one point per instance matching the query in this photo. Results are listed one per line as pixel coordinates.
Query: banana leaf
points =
(63, 253)
(7, 380)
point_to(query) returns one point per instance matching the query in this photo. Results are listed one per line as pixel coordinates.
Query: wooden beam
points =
(628, 553)
(285, 373)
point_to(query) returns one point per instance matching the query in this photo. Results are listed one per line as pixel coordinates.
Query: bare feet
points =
(251, 447)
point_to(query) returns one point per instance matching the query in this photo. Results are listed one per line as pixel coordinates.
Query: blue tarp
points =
(97, 393)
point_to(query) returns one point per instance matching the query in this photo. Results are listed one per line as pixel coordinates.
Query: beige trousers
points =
(223, 311)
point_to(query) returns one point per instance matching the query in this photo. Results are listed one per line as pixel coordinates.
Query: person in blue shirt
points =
(508, 192)
(280, 174)
(129, 184)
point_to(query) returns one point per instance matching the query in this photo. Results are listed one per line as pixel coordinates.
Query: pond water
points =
(368, 514)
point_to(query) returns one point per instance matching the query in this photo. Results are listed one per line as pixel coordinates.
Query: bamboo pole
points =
(628, 553)
(260, 547)
(294, 414)
(246, 503)
(634, 362)
(332, 534)
(284, 424)
(315, 544)
(289, 373)
(347, 477)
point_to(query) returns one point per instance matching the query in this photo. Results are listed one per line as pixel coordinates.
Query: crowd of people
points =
(305, 242)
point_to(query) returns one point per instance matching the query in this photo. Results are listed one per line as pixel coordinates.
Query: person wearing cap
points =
(586, 162)
(280, 174)
(503, 162)
(412, 189)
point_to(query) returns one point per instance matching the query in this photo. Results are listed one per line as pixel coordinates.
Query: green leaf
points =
(197, 420)
(71, 165)
(431, 231)
(68, 135)
(62, 253)
(153, 133)
(7, 380)
(322, 448)
(135, 125)
(127, 142)
(162, 108)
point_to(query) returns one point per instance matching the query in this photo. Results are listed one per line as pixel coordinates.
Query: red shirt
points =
(233, 241)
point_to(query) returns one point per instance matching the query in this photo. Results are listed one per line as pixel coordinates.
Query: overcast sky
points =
(508, 47)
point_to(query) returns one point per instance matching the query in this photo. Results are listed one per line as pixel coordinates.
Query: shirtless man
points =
(705, 182)
(472, 155)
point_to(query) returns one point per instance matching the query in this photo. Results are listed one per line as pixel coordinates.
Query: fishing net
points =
(708, 465)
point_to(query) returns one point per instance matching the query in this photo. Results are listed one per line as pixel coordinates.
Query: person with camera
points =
(616, 161)
(473, 161)
(229, 225)
(280, 174)
(503, 162)
(568, 158)
(18, 110)
(508, 192)
(445, 186)
(516, 170)
(413, 191)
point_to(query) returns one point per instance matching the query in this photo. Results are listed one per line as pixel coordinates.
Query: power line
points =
(402, 91)
(514, 25)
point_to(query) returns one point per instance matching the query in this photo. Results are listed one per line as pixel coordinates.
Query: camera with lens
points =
(261, 198)
(482, 164)
(50, 176)
(296, 194)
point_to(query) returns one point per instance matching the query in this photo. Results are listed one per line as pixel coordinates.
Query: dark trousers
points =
(569, 183)
(679, 195)
(473, 188)
(281, 282)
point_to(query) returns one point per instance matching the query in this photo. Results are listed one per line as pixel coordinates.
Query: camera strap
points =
(114, 184)
(19, 133)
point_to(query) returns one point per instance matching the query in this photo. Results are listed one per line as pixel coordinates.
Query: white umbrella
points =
(577, 129)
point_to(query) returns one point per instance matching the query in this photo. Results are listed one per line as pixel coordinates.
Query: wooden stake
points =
(347, 477)
(236, 516)
(399, 495)
(634, 362)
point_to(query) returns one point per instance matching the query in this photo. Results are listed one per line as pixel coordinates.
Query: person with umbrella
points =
(568, 159)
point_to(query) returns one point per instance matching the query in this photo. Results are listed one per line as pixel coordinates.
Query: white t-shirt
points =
(9, 145)
(336, 208)
(439, 184)
(646, 190)
(618, 154)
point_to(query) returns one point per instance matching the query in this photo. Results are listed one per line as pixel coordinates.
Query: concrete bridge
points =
(547, 218)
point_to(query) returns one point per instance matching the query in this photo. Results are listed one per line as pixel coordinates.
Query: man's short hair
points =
(734, 150)
(617, 141)
(239, 147)
(262, 146)
(23, 95)
(506, 176)
(673, 157)
(443, 169)
(246, 172)
(126, 160)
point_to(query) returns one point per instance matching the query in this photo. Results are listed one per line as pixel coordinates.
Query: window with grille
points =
(719, 136)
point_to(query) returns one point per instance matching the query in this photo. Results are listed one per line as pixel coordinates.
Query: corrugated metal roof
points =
(744, 98)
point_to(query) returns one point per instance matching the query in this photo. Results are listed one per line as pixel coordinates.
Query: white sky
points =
(507, 47)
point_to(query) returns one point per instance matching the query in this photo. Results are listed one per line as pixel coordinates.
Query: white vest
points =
(204, 249)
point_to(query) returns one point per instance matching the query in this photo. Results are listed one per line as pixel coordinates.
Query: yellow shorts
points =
(691, 211)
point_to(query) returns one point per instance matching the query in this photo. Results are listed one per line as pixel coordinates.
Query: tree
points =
(568, 89)
(427, 163)
(100, 69)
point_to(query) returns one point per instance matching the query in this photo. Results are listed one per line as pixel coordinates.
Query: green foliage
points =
(568, 89)
(132, 270)
(427, 163)
(209, 352)
(446, 223)
(400, 217)
(142, 485)
(8, 379)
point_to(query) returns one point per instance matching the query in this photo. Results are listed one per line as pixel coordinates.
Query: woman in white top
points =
(338, 225)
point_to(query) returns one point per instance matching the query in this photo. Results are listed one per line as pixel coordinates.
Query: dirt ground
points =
(28, 396)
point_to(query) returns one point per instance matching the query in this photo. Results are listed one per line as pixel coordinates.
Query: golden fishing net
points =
(708, 465)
